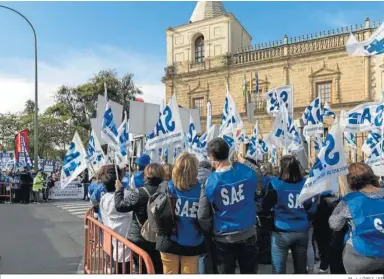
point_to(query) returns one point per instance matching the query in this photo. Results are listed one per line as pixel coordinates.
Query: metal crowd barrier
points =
(102, 247)
(6, 191)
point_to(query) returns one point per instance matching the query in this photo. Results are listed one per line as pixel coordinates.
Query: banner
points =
(21, 143)
(329, 165)
(168, 129)
(209, 115)
(363, 118)
(74, 161)
(313, 119)
(95, 155)
(283, 94)
(229, 113)
(73, 190)
(7, 161)
(108, 128)
(48, 165)
(373, 46)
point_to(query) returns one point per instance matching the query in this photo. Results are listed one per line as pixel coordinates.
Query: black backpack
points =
(161, 211)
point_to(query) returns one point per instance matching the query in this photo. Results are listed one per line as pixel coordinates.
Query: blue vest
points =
(289, 215)
(187, 203)
(232, 195)
(139, 178)
(368, 220)
(125, 181)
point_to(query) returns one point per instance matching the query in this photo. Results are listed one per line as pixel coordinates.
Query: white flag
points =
(284, 133)
(283, 94)
(74, 161)
(371, 143)
(194, 145)
(108, 129)
(209, 115)
(313, 119)
(124, 141)
(363, 118)
(376, 160)
(373, 46)
(95, 155)
(168, 129)
(330, 164)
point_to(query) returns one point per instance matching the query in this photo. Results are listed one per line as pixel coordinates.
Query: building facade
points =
(214, 49)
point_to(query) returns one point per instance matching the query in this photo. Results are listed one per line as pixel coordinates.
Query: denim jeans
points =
(281, 243)
(244, 252)
(310, 251)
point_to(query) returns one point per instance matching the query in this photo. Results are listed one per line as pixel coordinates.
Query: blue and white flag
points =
(329, 165)
(327, 111)
(94, 155)
(318, 142)
(376, 160)
(371, 143)
(194, 145)
(124, 141)
(74, 161)
(168, 129)
(373, 46)
(363, 118)
(283, 94)
(350, 140)
(229, 113)
(313, 119)
(108, 129)
(284, 134)
(273, 158)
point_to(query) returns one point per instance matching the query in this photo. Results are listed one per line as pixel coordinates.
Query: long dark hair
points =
(290, 169)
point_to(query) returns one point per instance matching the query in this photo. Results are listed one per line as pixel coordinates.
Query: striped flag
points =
(256, 83)
(245, 86)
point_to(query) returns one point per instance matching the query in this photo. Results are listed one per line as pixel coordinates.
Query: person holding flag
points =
(137, 179)
(291, 220)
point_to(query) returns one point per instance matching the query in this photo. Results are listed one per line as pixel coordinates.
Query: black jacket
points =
(136, 201)
(26, 179)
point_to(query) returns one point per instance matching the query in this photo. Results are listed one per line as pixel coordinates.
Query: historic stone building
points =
(214, 48)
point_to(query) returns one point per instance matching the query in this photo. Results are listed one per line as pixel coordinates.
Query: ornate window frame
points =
(323, 75)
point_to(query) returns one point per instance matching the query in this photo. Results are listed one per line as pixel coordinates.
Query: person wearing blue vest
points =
(137, 179)
(98, 192)
(363, 210)
(227, 209)
(291, 224)
(180, 252)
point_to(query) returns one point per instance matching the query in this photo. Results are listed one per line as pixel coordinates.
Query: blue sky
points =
(77, 39)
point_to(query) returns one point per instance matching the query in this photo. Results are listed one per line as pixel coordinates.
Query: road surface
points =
(49, 238)
(40, 239)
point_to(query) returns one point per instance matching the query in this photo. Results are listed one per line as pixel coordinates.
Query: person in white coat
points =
(118, 222)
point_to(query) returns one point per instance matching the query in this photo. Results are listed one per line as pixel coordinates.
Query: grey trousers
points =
(355, 263)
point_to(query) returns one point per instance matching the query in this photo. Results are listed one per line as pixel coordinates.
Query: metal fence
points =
(107, 252)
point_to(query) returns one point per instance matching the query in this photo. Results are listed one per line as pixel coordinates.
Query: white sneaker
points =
(322, 271)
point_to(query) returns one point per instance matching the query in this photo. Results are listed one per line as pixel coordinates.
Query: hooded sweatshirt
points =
(202, 175)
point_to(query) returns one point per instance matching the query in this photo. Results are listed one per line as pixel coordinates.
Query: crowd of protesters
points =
(27, 186)
(232, 213)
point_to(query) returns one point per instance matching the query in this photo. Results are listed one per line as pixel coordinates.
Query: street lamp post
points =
(35, 136)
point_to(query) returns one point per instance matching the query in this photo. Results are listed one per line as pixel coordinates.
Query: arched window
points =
(199, 49)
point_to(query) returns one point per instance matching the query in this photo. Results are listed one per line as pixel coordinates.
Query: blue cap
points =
(143, 161)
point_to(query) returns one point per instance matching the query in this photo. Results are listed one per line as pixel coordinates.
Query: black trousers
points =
(150, 248)
(85, 185)
(244, 252)
(25, 192)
